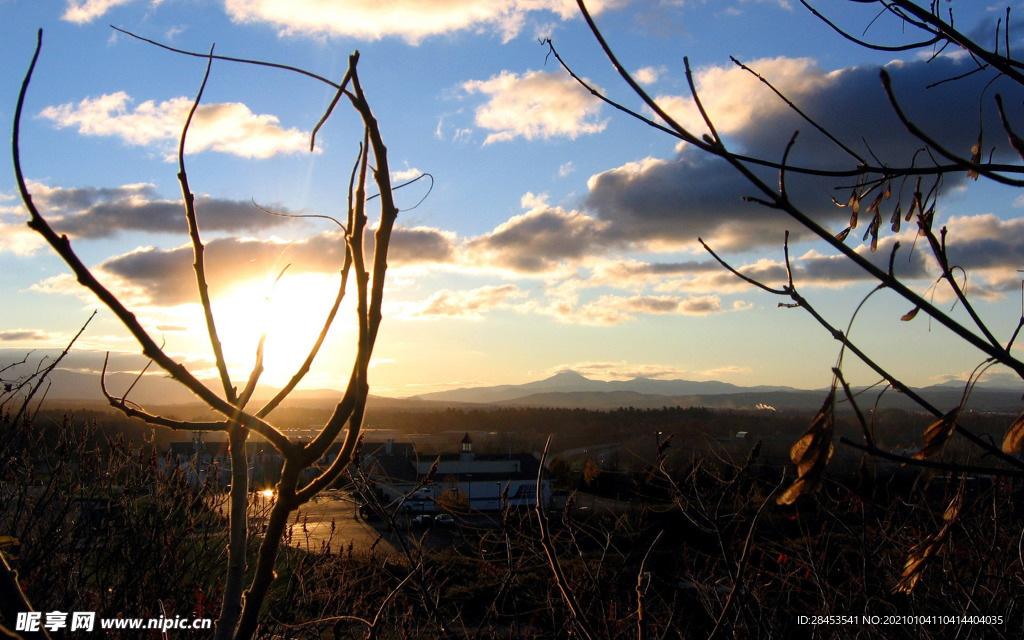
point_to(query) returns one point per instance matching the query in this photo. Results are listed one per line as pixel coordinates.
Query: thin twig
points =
(561, 581)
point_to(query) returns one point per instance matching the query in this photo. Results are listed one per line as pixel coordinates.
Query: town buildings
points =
(458, 481)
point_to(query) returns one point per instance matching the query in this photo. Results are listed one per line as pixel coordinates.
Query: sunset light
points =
(553, 234)
(601, 319)
(291, 313)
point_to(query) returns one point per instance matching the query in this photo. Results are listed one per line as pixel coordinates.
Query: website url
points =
(86, 621)
(162, 624)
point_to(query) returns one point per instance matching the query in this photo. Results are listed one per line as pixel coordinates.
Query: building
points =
(198, 458)
(460, 481)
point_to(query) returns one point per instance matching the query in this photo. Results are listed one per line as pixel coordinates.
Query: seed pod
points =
(1013, 441)
(812, 452)
(937, 434)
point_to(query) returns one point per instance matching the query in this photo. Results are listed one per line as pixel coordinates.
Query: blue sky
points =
(559, 234)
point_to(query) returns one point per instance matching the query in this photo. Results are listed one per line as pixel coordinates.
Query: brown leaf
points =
(923, 551)
(841, 236)
(918, 559)
(897, 218)
(914, 566)
(915, 202)
(924, 222)
(953, 510)
(937, 434)
(910, 315)
(874, 203)
(1013, 441)
(975, 158)
(812, 452)
(872, 231)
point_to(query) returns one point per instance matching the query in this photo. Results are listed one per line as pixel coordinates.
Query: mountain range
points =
(571, 382)
(570, 389)
(567, 389)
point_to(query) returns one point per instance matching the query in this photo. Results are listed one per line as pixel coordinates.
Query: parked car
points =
(366, 513)
(444, 520)
(422, 521)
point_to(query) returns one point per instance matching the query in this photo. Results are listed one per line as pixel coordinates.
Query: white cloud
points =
(82, 11)
(543, 240)
(735, 99)
(612, 309)
(670, 202)
(104, 212)
(648, 75)
(411, 20)
(18, 239)
(534, 105)
(405, 174)
(473, 304)
(621, 370)
(226, 127)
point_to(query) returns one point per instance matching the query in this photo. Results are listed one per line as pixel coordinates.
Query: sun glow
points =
(291, 312)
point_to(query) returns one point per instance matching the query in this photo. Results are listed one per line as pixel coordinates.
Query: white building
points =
(461, 480)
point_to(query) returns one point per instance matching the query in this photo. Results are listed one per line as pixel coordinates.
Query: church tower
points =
(466, 455)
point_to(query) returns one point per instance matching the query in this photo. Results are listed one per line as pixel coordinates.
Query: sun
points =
(291, 312)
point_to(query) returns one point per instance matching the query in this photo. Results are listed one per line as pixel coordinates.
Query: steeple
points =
(466, 455)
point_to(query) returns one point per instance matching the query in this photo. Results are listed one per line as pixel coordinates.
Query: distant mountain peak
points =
(568, 374)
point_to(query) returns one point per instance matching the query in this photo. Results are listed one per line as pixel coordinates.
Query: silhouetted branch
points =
(240, 611)
(42, 375)
(800, 112)
(774, 200)
(913, 128)
(862, 169)
(198, 250)
(868, 45)
(132, 411)
(196, 54)
(579, 619)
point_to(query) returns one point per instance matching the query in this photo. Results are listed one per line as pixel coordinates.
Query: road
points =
(330, 520)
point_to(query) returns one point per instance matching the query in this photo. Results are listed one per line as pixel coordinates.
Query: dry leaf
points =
(925, 222)
(1013, 441)
(812, 452)
(855, 208)
(873, 231)
(915, 202)
(927, 548)
(897, 217)
(975, 158)
(874, 203)
(953, 510)
(937, 433)
(916, 561)
(910, 315)
(841, 236)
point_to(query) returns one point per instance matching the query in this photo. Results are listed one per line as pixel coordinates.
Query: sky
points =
(558, 233)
